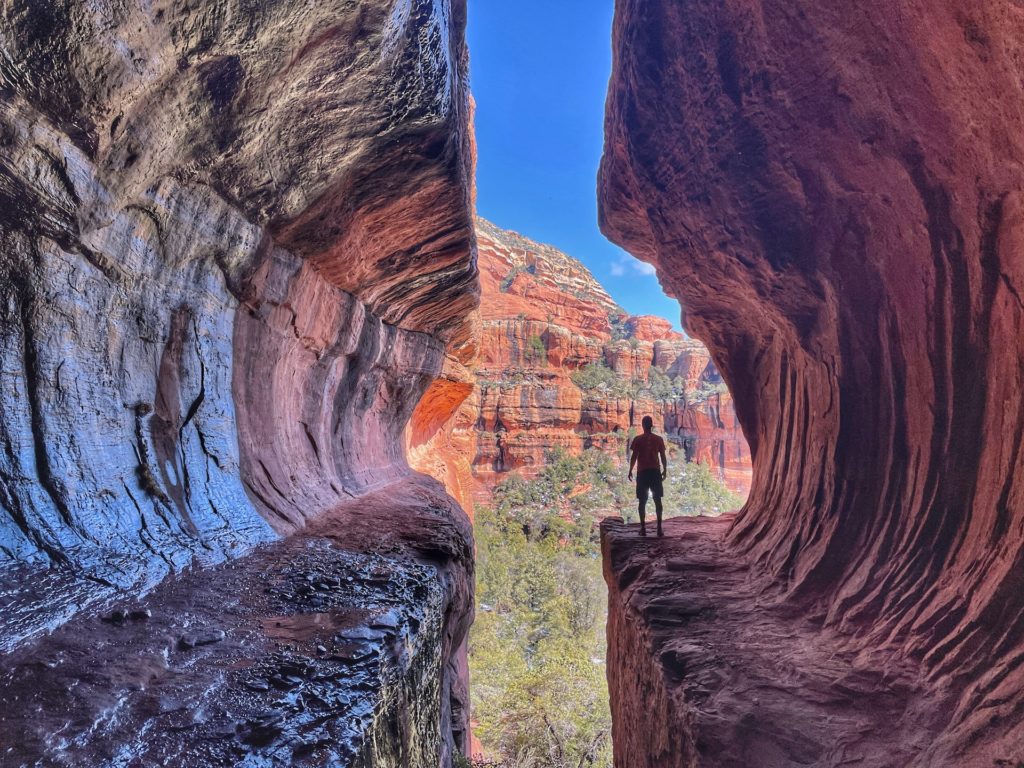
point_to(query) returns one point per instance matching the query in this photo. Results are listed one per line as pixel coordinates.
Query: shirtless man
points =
(645, 450)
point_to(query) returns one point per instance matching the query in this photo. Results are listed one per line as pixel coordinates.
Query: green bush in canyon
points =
(540, 697)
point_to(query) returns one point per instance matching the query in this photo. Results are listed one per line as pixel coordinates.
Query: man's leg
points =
(642, 511)
(657, 510)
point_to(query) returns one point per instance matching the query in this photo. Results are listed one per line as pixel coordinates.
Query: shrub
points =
(598, 376)
(707, 390)
(662, 387)
(536, 350)
(693, 489)
(506, 283)
(618, 322)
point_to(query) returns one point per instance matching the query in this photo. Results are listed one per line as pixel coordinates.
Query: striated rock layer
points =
(236, 247)
(834, 193)
(440, 437)
(543, 319)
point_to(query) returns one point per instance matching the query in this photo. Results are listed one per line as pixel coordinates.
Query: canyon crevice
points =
(833, 192)
(237, 247)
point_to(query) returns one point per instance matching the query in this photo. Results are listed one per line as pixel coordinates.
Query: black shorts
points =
(649, 480)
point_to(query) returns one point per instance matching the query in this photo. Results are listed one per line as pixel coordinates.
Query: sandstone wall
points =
(236, 246)
(834, 192)
(441, 438)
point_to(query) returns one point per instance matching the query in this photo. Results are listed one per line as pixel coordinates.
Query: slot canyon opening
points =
(537, 450)
(563, 376)
(240, 294)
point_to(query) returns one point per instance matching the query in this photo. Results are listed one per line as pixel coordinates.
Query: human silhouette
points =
(645, 451)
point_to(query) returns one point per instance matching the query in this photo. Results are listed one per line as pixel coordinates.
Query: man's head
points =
(648, 423)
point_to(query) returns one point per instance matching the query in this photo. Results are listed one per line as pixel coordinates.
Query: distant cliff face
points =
(562, 366)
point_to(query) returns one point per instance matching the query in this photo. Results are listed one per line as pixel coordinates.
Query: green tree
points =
(597, 376)
(536, 350)
(663, 387)
(537, 648)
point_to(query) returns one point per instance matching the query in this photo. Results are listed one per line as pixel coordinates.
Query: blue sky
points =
(539, 72)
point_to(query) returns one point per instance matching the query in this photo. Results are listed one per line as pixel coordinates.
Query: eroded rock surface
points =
(441, 436)
(834, 193)
(738, 681)
(544, 318)
(331, 647)
(236, 247)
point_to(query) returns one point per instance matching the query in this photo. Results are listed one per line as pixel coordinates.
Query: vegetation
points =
(598, 377)
(662, 387)
(510, 278)
(540, 697)
(693, 489)
(536, 350)
(619, 325)
(510, 380)
(708, 390)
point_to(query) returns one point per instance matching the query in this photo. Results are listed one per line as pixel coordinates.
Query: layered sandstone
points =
(833, 191)
(545, 318)
(441, 438)
(237, 248)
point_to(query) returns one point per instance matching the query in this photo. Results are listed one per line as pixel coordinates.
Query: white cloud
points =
(627, 263)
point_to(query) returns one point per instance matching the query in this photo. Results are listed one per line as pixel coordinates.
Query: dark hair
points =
(648, 422)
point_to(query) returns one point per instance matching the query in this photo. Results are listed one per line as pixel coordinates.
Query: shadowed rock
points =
(236, 245)
(834, 193)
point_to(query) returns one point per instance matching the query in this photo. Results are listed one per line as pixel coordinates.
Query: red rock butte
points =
(544, 320)
(834, 192)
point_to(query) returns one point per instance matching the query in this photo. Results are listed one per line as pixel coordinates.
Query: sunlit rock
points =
(544, 319)
(237, 247)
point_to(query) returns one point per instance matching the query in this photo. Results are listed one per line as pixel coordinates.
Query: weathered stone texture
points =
(159, 166)
(335, 646)
(441, 438)
(833, 191)
(236, 246)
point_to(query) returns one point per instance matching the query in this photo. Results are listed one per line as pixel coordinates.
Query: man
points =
(645, 451)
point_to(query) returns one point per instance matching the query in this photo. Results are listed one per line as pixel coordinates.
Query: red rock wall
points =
(236, 245)
(646, 724)
(833, 190)
(440, 438)
(544, 317)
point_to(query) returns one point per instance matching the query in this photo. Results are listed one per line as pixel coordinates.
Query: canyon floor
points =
(751, 685)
